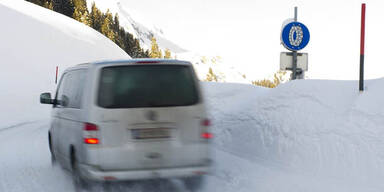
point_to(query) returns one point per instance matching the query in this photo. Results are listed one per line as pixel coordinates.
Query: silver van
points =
(130, 120)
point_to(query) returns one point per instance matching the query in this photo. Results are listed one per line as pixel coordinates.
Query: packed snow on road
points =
(306, 135)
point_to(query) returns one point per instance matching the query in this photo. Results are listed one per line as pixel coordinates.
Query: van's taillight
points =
(207, 135)
(90, 133)
(206, 122)
(91, 140)
(90, 127)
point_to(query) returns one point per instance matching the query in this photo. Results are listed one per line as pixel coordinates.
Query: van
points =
(130, 120)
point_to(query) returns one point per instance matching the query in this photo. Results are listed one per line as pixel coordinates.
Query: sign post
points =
(294, 57)
(294, 37)
(362, 38)
(57, 72)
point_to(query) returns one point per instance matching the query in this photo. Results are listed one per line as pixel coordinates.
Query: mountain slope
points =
(143, 33)
(132, 23)
(35, 40)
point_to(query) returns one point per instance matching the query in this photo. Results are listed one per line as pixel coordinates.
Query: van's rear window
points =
(147, 86)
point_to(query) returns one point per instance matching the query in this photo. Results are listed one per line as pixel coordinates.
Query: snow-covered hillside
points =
(134, 25)
(144, 30)
(33, 41)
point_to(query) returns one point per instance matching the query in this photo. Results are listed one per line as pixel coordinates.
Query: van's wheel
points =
(193, 183)
(79, 183)
(53, 158)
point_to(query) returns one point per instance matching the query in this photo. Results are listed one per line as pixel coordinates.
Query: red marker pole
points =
(57, 72)
(362, 38)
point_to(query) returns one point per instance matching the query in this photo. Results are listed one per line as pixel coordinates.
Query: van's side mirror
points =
(45, 98)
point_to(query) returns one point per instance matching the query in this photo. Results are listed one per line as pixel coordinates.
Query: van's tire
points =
(79, 183)
(194, 183)
(53, 158)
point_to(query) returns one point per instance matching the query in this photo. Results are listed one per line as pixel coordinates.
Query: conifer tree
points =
(155, 50)
(116, 23)
(95, 18)
(65, 7)
(211, 76)
(167, 54)
(48, 5)
(106, 26)
(81, 13)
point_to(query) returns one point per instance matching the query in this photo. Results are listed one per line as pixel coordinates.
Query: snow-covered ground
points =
(306, 135)
(255, 147)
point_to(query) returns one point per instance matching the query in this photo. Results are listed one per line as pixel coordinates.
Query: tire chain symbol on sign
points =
(299, 36)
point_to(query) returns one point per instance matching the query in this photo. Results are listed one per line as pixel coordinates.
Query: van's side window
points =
(70, 91)
(60, 89)
(76, 93)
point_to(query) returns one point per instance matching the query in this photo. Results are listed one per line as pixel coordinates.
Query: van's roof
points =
(136, 61)
(143, 61)
(131, 62)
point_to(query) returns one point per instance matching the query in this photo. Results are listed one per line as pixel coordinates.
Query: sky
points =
(246, 33)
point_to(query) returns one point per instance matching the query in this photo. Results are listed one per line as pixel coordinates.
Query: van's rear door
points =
(149, 116)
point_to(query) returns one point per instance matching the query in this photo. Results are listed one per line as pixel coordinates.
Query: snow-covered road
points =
(25, 160)
(243, 162)
(25, 167)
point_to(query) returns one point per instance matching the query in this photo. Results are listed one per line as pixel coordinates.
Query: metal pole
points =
(362, 38)
(294, 54)
(57, 72)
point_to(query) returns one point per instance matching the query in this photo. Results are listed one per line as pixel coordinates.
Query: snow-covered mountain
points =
(143, 30)
(133, 25)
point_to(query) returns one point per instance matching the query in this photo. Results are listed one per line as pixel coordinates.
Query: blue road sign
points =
(295, 36)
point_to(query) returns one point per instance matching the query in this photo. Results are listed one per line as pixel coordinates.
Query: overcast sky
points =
(246, 33)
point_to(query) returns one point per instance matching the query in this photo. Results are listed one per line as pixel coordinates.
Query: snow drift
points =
(33, 41)
(316, 127)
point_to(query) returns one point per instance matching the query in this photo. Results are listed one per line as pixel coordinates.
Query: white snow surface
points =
(313, 135)
(33, 42)
(305, 135)
(302, 136)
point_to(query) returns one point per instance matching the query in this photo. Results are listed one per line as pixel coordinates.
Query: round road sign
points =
(295, 36)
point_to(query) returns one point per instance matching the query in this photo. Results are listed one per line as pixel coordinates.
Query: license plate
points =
(157, 133)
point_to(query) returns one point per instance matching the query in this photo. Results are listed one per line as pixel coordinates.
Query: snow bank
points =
(33, 41)
(322, 128)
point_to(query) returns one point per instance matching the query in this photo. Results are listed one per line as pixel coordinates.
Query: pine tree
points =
(167, 54)
(48, 5)
(106, 26)
(65, 7)
(95, 18)
(81, 13)
(211, 76)
(116, 23)
(155, 50)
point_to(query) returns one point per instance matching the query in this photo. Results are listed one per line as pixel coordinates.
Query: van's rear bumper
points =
(92, 173)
